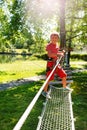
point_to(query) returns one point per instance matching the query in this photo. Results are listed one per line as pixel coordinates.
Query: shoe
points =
(67, 88)
(64, 88)
(45, 94)
(48, 96)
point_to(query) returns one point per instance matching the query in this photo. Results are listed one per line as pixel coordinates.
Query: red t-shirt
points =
(53, 47)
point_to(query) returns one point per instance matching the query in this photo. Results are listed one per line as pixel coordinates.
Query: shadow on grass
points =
(85, 66)
(41, 73)
(14, 101)
(3, 73)
(79, 96)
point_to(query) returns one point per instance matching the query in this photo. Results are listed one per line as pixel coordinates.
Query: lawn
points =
(14, 101)
(21, 69)
(79, 95)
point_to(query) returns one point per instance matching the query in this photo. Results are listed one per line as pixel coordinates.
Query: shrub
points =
(24, 52)
(79, 56)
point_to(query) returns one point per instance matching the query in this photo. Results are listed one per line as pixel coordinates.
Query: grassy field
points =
(79, 97)
(14, 101)
(21, 69)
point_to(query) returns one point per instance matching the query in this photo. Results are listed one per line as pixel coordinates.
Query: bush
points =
(42, 56)
(23, 52)
(79, 56)
(72, 56)
(3, 49)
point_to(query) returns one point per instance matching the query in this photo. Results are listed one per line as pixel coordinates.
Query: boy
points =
(52, 49)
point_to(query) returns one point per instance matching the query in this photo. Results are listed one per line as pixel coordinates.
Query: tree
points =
(62, 24)
(4, 24)
(75, 11)
(16, 20)
(28, 24)
(75, 29)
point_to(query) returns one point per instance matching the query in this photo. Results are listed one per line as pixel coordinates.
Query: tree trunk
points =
(62, 24)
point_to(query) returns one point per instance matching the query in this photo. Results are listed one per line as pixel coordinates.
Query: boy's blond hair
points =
(54, 33)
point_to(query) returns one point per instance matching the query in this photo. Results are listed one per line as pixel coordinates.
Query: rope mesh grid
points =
(57, 111)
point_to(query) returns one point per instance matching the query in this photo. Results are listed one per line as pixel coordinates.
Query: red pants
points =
(59, 71)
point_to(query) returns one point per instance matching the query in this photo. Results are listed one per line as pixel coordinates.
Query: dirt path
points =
(20, 81)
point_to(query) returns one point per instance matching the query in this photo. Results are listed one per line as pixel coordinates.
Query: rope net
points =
(56, 114)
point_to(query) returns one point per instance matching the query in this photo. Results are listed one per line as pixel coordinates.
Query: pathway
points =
(20, 81)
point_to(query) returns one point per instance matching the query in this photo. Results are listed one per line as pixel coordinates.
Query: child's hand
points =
(63, 51)
(60, 54)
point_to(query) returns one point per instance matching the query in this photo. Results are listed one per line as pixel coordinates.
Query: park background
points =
(25, 27)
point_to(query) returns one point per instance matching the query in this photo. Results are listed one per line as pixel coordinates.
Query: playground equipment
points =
(57, 113)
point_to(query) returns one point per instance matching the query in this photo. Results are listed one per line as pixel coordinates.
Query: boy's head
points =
(54, 37)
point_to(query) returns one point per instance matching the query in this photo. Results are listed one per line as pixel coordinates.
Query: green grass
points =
(14, 102)
(21, 69)
(75, 64)
(79, 97)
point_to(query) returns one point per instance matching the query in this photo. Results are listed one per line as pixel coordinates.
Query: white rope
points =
(31, 105)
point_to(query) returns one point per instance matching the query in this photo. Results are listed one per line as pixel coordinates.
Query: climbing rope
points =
(57, 113)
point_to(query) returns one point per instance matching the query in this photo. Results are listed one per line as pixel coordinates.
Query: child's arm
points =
(61, 53)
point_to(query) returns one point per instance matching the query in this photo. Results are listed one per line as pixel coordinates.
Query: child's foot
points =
(48, 96)
(45, 94)
(67, 88)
